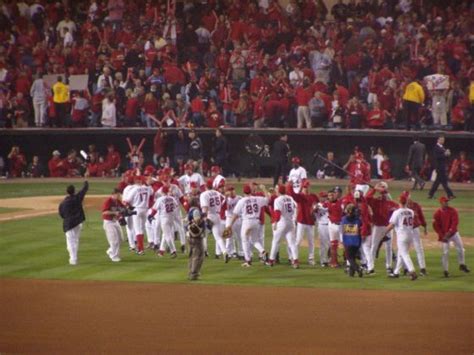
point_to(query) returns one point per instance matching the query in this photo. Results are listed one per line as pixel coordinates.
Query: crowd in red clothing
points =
(238, 63)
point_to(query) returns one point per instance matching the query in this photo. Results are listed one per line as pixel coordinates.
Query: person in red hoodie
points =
(334, 207)
(445, 223)
(56, 165)
(17, 162)
(305, 218)
(112, 161)
(418, 222)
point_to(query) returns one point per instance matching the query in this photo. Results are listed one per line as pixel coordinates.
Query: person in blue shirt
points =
(351, 238)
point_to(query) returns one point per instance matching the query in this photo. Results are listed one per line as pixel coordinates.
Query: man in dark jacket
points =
(220, 154)
(416, 158)
(280, 153)
(72, 213)
(196, 149)
(440, 157)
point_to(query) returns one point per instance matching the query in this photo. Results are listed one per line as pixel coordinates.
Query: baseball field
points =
(145, 304)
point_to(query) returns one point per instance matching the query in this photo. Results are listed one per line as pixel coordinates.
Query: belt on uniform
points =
(335, 223)
(323, 224)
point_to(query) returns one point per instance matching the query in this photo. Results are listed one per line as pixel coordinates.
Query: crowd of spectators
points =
(242, 63)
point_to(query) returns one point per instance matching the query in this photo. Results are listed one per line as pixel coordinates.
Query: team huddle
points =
(362, 221)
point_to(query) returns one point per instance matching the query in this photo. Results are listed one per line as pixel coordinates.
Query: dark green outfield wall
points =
(303, 143)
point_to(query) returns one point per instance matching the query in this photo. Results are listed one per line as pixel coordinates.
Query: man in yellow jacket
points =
(413, 98)
(61, 101)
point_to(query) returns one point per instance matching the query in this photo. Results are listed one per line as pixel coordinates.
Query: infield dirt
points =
(95, 317)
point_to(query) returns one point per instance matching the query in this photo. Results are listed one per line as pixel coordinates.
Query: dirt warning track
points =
(97, 317)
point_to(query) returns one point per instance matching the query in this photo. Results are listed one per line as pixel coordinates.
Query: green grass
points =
(26, 189)
(37, 250)
(9, 210)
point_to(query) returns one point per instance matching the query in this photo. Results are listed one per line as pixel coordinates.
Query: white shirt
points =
(68, 39)
(166, 207)
(127, 193)
(287, 207)
(321, 214)
(249, 207)
(186, 180)
(217, 180)
(379, 159)
(296, 177)
(71, 26)
(109, 114)
(139, 196)
(175, 192)
(212, 200)
(296, 78)
(402, 219)
(231, 203)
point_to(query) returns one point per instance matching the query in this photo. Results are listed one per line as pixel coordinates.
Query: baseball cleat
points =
(173, 255)
(325, 265)
(464, 268)
(226, 258)
(389, 270)
(371, 272)
(270, 262)
(413, 276)
(115, 260)
(394, 276)
(217, 256)
(423, 272)
(150, 246)
(405, 272)
(264, 256)
(183, 249)
(160, 253)
(140, 252)
(311, 262)
(132, 249)
(446, 274)
(246, 264)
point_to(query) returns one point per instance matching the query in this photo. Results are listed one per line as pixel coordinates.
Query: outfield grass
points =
(37, 250)
(9, 210)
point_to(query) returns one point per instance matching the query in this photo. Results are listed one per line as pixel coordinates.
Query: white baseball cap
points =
(56, 152)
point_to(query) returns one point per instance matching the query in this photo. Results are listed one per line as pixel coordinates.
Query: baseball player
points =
(167, 209)
(217, 179)
(139, 198)
(129, 219)
(211, 202)
(304, 217)
(234, 243)
(419, 221)
(113, 232)
(261, 230)
(402, 220)
(363, 213)
(334, 207)
(359, 171)
(297, 174)
(176, 192)
(382, 208)
(72, 213)
(190, 177)
(249, 209)
(284, 213)
(321, 216)
(445, 223)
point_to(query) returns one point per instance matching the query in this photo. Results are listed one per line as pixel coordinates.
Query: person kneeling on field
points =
(195, 234)
(351, 237)
(111, 214)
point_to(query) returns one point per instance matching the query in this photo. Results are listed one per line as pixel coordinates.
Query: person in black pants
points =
(440, 157)
(416, 157)
(351, 236)
(280, 153)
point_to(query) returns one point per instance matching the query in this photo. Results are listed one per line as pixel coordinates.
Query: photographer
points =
(111, 214)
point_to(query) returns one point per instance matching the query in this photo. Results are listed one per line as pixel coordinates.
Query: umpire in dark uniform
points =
(440, 156)
(280, 154)
(416, 156)
(196, 229)
(72, 213)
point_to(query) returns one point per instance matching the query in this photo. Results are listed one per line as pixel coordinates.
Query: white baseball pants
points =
(378, 232)
(323, 231)
(167, 227)
(72, 243)
(456, 240)
(308, 230)
(234, 243)
(334, 232)
(113, 232)
(139, 221)
(217, 230)
(284, 229)
(250, 237)
(130, 232)
(403, 244)
(179, 227)
(367, 245)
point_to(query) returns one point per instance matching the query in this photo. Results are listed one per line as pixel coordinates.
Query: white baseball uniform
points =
(285, 227)
(402, 219)
(139, 198)
(296, 177)
(112, 229)
(211, 203)
(322, 220)
(234, 243)
(176, 192)
(457, 241)
(249, 209)
(167, 209)
(129, 227)
(186, 180)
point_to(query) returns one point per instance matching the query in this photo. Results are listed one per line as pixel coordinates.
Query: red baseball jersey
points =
(335, 211)
(445, 220)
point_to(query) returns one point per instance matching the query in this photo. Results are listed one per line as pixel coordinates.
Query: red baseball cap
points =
(406, 194)
(165, 189)
(403, 199)
(323, 194)
(295, 160)
(209, 183)
(247, 189)
(215, 169)
(194, 184)
(443, 199)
